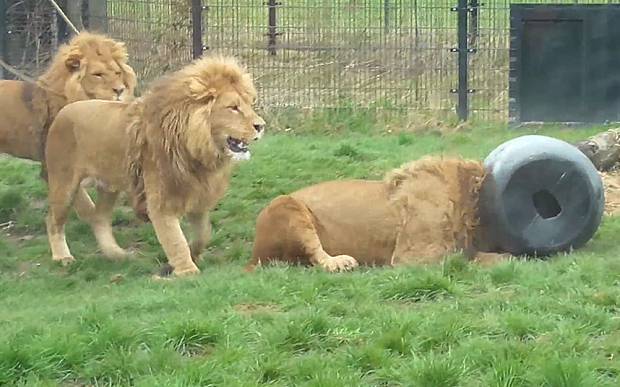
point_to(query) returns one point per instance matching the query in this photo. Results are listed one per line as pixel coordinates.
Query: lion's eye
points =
(118, 73)
(98, 75)
(234, 108)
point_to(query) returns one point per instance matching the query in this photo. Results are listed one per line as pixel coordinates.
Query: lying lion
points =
(418, 214)
(172, 148)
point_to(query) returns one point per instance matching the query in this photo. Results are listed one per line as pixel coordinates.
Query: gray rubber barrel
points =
(541, 196)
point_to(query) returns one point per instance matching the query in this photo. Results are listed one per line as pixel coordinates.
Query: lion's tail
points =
(136, 149)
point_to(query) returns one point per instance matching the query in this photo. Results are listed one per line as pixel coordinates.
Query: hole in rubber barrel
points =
(546, 204)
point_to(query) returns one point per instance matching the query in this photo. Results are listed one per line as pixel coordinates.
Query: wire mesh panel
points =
(30, 35)
(332, 53)
(390, 54)
(157, 34)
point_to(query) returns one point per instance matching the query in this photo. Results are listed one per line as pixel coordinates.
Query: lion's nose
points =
(119, 90)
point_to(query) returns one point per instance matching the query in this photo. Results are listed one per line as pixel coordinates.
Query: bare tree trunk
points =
(74, 13)
(98, 15)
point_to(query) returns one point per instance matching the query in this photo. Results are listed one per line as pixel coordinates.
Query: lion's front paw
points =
(64, 261)
(340, 263)
(186, 272)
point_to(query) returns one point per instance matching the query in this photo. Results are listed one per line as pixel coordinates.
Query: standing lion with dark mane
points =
(172, 149)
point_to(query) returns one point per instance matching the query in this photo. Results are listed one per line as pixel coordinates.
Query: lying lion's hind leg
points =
(60, 197)
(285, 230)
(101, 223)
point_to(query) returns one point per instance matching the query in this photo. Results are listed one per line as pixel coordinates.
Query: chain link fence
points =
(30, 29)
(158, 34)
(387, 54)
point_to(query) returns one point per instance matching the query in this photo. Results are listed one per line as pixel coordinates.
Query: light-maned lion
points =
(89, 66)
(172, 148)
(418, 214)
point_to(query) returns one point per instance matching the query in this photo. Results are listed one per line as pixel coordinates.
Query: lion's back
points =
(11, 90)
(93, 133)
(94, 118)
(16, 103)
(23, 116)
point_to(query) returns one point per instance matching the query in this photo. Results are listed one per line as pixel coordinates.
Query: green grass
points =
(538, 323)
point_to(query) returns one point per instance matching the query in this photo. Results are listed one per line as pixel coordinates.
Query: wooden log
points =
(603, 149)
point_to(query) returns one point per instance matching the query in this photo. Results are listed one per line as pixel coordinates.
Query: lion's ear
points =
(73, 61)
(200, 91)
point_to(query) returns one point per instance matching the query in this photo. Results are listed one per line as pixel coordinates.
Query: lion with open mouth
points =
(172, 150)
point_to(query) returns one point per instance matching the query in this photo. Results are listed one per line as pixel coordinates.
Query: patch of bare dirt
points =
(251, 309)
(611, 182)
(8, 230)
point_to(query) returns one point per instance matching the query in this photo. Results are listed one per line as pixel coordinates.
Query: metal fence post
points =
(98, 16)
(463, 106)
(272, 33)
(197, 47)
(62, 32)
(3, 36)
(386, 16)
(73, 10)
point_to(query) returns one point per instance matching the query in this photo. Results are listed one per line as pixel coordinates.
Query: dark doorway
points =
(565, 63)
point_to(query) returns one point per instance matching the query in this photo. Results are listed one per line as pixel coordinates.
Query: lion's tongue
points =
(237, 145)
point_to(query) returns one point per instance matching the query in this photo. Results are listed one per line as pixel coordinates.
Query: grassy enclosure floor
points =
(535, 323)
